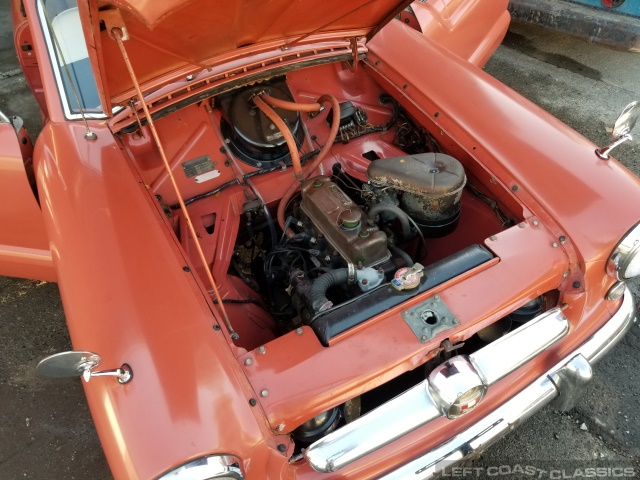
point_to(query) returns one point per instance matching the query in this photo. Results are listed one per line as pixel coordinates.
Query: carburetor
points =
(343, 223)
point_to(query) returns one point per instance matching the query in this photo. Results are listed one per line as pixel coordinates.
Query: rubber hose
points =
(333, 133)
(400, 214)
(319, 300)
(285, 105)
(401, 253)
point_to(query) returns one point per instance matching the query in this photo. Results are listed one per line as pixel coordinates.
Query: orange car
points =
(308, 240)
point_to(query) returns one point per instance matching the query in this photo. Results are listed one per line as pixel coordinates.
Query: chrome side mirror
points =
(622, 129)
(80, 364)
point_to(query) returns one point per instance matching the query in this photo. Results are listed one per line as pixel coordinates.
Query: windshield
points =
(68, 50)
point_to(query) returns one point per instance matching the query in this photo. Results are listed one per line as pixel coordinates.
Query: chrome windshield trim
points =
(417, 406)
(4, 118)
(535, 396)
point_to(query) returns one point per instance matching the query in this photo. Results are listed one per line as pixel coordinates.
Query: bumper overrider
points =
(460, 383)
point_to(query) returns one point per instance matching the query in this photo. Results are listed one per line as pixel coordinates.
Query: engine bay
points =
(367, 211)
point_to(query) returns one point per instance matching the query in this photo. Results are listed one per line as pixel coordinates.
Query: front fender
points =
(127, 297)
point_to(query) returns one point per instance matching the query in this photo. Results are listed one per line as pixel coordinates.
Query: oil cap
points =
(349, 219)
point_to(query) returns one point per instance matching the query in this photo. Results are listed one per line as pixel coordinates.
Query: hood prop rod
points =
(116, 32)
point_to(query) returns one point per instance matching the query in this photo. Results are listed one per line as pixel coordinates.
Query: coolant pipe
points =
(285, 105)
(319, 300)
(400, 214)
(333, 133)
(286, 133)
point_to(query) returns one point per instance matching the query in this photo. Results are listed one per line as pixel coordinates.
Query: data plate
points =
(429, 318)
(198, 166)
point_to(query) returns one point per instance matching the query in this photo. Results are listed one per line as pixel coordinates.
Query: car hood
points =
(171, 37)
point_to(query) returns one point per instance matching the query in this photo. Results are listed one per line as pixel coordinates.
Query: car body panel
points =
(170, 36)
(24, 246)
(471, 29)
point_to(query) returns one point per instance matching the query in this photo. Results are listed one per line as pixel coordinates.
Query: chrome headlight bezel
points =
(208, 467)
(624, 253)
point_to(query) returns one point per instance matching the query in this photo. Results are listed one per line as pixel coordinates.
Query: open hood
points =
(167, 37)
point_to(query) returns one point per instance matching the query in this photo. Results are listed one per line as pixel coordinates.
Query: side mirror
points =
(80, 364)
(621, 129)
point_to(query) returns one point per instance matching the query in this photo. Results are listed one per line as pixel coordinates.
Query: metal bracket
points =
(112, 18)
(429, 318)
(354, 53)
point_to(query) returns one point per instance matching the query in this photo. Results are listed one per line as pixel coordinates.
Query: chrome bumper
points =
(417, 407)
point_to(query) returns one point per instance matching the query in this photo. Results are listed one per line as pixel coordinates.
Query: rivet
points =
(262, 349)
(554, 245)
(253, 402)
(565, 274)
(576, 284)
(437, 297)
(248, 361)
(190, 77)
(405, 86)
(522, 224)
(515, 188)
(186, 269)
(216, 327)
(264, 393)
(562, 239)
(299, 330)
(493, 238)
(282, 447)
(535, 223)
(424, 338)
(437, 114)
(280, 427)
(377, 62)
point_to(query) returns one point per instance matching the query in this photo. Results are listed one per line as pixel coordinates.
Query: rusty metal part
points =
(431, 183)
(343, 223)
(116, 33)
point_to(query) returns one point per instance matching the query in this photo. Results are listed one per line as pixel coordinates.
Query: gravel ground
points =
(45, 427)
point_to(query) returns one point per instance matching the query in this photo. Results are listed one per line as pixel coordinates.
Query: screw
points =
(554, 245)
(299, 330)
(515, 188)
(253, 402)
(190, 77)
(493, 237)
(280, 427)
(377, 62)
(437, 114)
(248, 361)
(535, 223)
(264, 393)
(565, 274)
(405, 86)
(424, 338)
(186, 269)
(437, 297)
(216, 327)
(272, 127)
(364, 281)
(576, 284)
(282, 447)
(522, 224)
(562, 239)
(262, 349)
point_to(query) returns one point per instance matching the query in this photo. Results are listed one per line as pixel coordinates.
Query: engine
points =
(339, 246)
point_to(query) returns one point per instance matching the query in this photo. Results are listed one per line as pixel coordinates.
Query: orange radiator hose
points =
(333, 133)
(286, 133)
(283, 104)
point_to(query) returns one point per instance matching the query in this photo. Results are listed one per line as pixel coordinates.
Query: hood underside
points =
(167, 37)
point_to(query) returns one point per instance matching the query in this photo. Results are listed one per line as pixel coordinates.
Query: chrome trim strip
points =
(538, 394)
(4, 118)
(539, 334)
(417, 407)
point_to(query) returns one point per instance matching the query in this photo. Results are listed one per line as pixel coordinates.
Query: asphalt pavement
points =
(46, 430)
